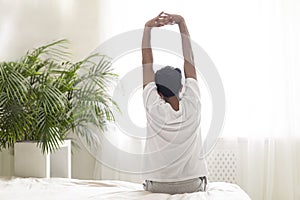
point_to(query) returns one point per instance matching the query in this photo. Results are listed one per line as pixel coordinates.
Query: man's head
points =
(168, 81)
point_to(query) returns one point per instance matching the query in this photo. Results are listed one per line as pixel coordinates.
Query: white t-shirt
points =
(173, 141)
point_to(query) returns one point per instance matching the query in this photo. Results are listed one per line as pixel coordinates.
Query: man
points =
(173, 123)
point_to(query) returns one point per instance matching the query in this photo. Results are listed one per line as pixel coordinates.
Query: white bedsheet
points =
(73, 189)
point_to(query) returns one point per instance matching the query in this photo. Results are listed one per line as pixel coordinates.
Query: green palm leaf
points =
(44, 96)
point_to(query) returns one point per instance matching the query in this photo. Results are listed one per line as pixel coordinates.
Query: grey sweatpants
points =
(179, 187)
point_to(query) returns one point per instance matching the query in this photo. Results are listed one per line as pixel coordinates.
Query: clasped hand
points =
(164, 19)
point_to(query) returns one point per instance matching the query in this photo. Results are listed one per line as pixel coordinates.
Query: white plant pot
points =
(30, 162)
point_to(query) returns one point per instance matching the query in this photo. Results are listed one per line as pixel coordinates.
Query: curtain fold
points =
(270, 168)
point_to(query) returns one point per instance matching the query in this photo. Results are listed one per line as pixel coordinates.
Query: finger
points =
(166, 17)
(162, 22)
(160, 19)
(156, 19)
(160, 14)
(167, 14)
(157, 22)
(172, 22)
(169, 21)
(163, 16)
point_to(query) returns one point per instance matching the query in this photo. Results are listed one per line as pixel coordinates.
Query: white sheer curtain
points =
(270, 121)
(256, 48)
(270, 168)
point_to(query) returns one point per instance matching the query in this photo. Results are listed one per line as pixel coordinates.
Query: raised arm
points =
(189, 65)
(148, 73)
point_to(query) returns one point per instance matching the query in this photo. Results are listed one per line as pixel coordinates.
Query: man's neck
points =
(173, 101)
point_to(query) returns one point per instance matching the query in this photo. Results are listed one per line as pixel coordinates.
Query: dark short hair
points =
(168, 81)
(164, 90)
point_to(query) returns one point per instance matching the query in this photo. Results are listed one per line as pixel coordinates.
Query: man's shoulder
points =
(191, 81)
(191, 88)
(150, 96)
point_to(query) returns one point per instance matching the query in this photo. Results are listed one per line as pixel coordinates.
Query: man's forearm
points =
(147, 60)
(186, 43)
(146, 47)
(189, 65)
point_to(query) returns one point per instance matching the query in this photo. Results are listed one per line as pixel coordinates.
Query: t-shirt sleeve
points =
(191, 89)
(150, 95)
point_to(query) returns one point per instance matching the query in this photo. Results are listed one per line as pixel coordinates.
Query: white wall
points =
(28, 24)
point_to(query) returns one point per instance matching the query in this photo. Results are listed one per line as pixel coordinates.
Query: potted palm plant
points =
(44, 97)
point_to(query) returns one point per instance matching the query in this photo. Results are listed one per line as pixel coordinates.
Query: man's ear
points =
(160, 94)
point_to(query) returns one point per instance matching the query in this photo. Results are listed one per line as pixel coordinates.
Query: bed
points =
(72, 189)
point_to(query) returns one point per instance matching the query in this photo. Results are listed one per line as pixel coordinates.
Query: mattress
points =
(73, 189)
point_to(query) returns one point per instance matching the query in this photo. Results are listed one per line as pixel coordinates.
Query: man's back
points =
(174, 136)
